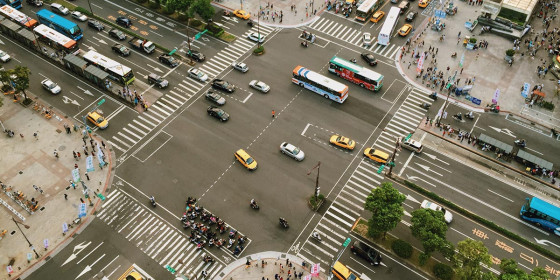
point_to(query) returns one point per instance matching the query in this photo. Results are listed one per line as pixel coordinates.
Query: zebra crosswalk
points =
(353, 36)
(159, 240)
(180, 94)
(349, 203)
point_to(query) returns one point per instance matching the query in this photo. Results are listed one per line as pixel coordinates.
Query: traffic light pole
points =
(392, 163)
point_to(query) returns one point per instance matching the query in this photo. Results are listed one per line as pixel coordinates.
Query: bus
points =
(17, 17)
(320, 84)
(55, 39)
(366, 9)
(356, 74)
(16, 4)
(542, 213)
(388, 26)
(60, 24)
(116, 71)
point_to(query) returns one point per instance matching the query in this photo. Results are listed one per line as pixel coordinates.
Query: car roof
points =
(94, 115)
(243, 154)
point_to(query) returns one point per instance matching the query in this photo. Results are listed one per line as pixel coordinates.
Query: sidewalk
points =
(304, 13)
(485, 67)
(27, 161)
(238, 269)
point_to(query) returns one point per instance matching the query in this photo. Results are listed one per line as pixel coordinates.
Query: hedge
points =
(443, 271)
(402, 248)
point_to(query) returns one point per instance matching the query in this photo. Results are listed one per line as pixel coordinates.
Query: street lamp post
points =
(259, 26)
(318, 166)
(26, 226)
(90, 10)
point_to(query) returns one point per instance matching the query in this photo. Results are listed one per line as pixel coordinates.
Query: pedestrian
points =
(85, 152)
(87, 176)
(55, 154)
(21, 135)
(35, 187)
(72, 184)
(36, 135)
(531, 104)
(75, 155)
(75, 166)
(427, 120)
(84, 139)
(85, 148)
(204, 273)
(461, 71)
(79, 155)
(276, 275)
(66, 196)
(92, 153)
(273, 116)
(91, 143)
(103, 144)
(409, 64)
(289, 272)
(300, 274)
(41, 190)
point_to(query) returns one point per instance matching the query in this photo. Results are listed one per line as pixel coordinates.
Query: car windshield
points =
(100, 119)
(351, 142)
(261, 84)
(171, 59)
(250, 160)
(2, 53)
(220, 113)
(122, 48)
(199, 74)
(295, 151)
(50, 85)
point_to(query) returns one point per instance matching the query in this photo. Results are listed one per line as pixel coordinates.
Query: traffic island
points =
(259, 50)
(315, 202)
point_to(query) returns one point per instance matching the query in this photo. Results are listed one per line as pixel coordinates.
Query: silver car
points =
(292, 151)
(79, 16)
(258, 85)
(51, 86)
(197, 75)
(240, 66)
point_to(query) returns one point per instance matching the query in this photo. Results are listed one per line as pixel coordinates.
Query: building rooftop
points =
(520, 5)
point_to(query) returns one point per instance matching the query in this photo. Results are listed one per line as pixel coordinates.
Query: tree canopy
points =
(468, 258)
(430, 228)
(385, 204)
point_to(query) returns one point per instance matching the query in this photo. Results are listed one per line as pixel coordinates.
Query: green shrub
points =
(512, 15)
(166, 10)
(214, 29)
(195, 22)
(472, 40)
(510, 52)
(83, 11)
(443, 271)
(548, 105)
(182, 17)
(260, 50)
(402, 248)
(153, 5)
(141, 1)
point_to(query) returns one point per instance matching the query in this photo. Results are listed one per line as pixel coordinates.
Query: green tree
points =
(21, 80)
(510, 271)
(430, 228)
(203, 8)
(470, 254)
(539, 273)
(489, 276)
(385, 204)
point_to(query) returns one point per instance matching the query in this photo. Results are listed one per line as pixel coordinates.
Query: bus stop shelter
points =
(524, 156)
(493, 142)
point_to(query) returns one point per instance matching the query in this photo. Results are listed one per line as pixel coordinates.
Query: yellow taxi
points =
(246, 159)
(242, 14)
(423, 3)
(405, 29)
(342, 142)
(134, 276)
(97, 119)
(376, 155)
(377, 16)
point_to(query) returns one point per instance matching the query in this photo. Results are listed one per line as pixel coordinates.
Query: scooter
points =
(554, 132)
(454, 55)
(353, 60)
(284, 223)
(433, 95)
(317, 236)
(521, 143)
(230, 243)
(458, 117)
(153, 201)
(469, 116)
(425, 105)
(304, 44)
(10, 133)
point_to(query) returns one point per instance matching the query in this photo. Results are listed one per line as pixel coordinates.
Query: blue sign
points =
(439, 13)
(82, 210)
(525, 90)
(475, 101)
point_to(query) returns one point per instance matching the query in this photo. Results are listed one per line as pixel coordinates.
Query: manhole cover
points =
(62, 148)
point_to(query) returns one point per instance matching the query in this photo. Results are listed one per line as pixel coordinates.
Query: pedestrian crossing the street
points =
(353, 36)
(182, 93)
(159, 240)
(349, 203)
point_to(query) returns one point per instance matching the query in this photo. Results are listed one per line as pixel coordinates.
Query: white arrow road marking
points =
(434, 157)
(409, 197)
(155, 68)
(504, 131)
(67, 100)
(427, 168)
(77, 247)
(90, 253)
(88, 267)
(544, 242)
(418, 178)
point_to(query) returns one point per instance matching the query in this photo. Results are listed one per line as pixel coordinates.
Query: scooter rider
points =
(316, 235)
(470, 115)
(459, 116)
(253, 203)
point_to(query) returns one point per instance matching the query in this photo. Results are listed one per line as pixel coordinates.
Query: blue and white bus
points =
(542, 213)
(60, 24)
(320, 84)
(16, 4)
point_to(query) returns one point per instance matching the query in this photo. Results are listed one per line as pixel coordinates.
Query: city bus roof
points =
(68, 24)
(545, 207)
(318, 78)
(55, 36)
(106, 62)
(356, 68)
(18, 16)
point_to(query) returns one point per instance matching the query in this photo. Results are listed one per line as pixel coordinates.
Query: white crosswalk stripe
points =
(348, 204)
(353, 36)
(181, 93)
(157, 238)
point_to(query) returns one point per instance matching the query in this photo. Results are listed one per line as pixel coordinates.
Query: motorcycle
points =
(554, 132)
(433, 95)
(237, 250)
(230, 243)
(304, 44)
(353, 60)
(458, 117)
(254, 205)
(227, 13)
(284, 223)
(521, 143)
(454, 55)
(250, 23)
(232, 233)
(469, 116)
(153, 201)
(425, 105)
(493, 108)
(10, 133)
(208, 259)
(316, 236)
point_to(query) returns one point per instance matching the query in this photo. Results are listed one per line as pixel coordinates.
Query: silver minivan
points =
(412, 145)
(59, 9)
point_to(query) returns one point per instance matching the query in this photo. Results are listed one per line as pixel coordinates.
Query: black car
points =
(369, 58)
(223, 85)
(411, 16)
(117, 34)
(372, 256)
(196, 55)
(168, 60)
(123, 21)
(95, 24)
(120, 49)
(218, 113)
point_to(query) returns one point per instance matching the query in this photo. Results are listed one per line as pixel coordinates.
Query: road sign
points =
(64, 227)
(173, 51)
(101, 102)
(380, 169)
(407, 137)
(346, 242)
(199, 34)
(82, 210)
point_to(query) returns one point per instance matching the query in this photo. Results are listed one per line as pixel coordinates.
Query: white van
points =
(59, 9)
(412, 145)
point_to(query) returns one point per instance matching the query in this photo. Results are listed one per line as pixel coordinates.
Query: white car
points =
(258, 85)
(430, 205)
(51, 86)
(254, 36)
(4, 57)
(79, 16)
(240, 66)
(292, 151)
(367, 39)
(198, 75)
